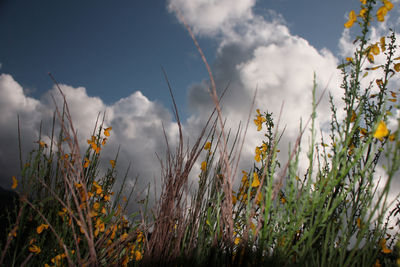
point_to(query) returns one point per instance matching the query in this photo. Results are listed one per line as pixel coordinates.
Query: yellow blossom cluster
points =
(380, 14)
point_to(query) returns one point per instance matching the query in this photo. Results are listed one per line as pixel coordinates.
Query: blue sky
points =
(107, 56)
(113, 49)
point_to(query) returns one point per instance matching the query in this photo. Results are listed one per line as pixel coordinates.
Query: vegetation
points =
(331, 215)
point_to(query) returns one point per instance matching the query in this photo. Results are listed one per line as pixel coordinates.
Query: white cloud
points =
(209, 17)
(136, 121)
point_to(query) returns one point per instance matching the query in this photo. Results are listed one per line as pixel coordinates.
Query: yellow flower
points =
(138, 255)
(256, 181)
(34, 249)
(397, 67)
(388, 4)
(112, 162)
(258, 154)
(264, 147)
(124, 236)
(207, 146)
(234, 199)
(359, 224)
(203, 166)
(364, 2)
(385, 249)
(107, 198)
(381, 13)
(363, 131)
(98, 188)
(383, 43)
(96, 205)
(381, 131)
(107, 131)
(370, 58)
(363, 12)
(15, 182)
(259, 120)
(86, 164)
(375, 49)
(41, 227)
(352, 19)
(353, 116)
(377, 263)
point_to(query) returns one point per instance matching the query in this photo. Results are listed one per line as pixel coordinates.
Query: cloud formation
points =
(212, 17)
(136, 121)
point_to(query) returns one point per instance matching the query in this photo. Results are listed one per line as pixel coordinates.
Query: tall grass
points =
(331, 215)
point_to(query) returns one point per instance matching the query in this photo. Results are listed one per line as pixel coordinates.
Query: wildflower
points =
(34, 249)
(381, 13)
(15, 182)
(100, 225)
(283, 200)
(97, 187)
(13, 232)
(381, 131)
(392, 137)
(397, 67)
(259, 120)
(370, 58)
(112, 162)
(349, 59)
(257, 157)
(107, 131)
(57, 259)
(42, 144)
(103, 143)
(203, 166)
(363, 131)
(352, 19)
(364, 2)
(96, 205)
(375, 49)
(264, 147)
(377, 263)
(362, 13)
(359, 224)
(138, 255)
(385, 249)
(353, 116)
(388, 4)
(256, 181)
(86, 164)
(107, 198)
(124, 236)
(207, 146)
(383, 44)
(41, 227)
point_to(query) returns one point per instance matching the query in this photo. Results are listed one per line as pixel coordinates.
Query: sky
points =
(108, 56)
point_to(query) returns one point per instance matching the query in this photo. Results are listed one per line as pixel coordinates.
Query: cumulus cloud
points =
(256, 52)
(210, 17)
(137, 127)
